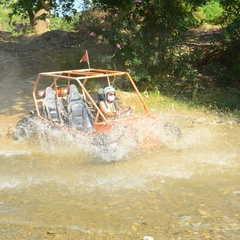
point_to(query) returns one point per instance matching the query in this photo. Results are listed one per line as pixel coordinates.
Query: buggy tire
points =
(171, 130)
(25, 127)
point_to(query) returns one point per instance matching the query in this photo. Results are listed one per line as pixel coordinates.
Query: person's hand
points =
(130, 110)
(118, 112)
(125, 111)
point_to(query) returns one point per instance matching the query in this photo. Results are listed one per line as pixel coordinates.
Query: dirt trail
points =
(203, 36)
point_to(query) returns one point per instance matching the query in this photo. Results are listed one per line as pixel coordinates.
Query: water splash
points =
(119, 160)
(147, 133)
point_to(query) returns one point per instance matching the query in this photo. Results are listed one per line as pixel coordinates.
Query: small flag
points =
(85, 59)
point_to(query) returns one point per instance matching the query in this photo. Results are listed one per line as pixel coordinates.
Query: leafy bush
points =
(145, 35)
(212, 11)
(58, 23)
(7, 24)
(230, 45)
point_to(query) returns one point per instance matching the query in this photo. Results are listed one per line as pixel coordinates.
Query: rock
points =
(50, 231)
(201, 212)
(148, 238)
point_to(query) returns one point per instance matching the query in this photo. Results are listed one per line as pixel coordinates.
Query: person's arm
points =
(104, 110)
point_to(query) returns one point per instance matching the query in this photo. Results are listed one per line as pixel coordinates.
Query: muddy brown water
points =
(59, 187)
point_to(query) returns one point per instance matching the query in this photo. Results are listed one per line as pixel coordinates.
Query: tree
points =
(231, 43)
(232, 8)
(39, 11)
(147, 35)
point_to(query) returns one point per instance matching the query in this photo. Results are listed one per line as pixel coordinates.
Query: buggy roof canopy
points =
(85, 73)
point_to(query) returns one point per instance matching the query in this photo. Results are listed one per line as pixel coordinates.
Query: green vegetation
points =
(58, 23)
(211, 12)
(7, 22)
(35, 10)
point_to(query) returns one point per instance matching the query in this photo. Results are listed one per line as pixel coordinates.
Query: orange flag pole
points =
(85, 59)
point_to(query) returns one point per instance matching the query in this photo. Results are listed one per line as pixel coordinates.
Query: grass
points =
(215, 102)
(4, 20)
(167, 103)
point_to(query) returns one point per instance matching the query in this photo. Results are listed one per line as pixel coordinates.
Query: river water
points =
(63, 188)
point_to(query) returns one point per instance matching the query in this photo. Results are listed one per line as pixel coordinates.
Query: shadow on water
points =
(185, 188)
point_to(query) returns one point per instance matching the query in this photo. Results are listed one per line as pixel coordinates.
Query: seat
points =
(50, 108)
(79, 115)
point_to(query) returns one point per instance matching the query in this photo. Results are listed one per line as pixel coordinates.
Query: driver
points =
(108, 106)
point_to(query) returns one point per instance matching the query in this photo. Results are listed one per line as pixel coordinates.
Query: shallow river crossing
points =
(186, 190)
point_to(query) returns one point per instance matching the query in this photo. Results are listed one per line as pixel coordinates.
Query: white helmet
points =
(108, 89)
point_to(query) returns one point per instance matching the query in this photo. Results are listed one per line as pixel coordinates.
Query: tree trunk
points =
(42, 26)
(31, 17)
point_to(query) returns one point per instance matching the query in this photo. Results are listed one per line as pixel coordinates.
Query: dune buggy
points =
(69, 100)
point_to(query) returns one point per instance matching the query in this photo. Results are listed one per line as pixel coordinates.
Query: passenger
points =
(108, 105)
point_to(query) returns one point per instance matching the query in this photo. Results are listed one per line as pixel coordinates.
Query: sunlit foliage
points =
(28, 9)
